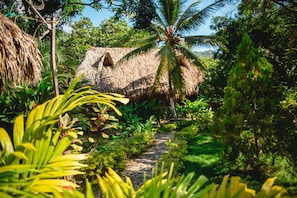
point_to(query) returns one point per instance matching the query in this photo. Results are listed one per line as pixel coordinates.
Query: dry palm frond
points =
(20, 59)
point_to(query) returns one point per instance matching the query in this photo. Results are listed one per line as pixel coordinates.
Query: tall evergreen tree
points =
(250, 106)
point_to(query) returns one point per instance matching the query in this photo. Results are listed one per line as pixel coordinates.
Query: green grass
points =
(204, 157)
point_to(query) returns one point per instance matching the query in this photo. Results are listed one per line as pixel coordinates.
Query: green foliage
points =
(112, 156)
(250, 108)
(138, 142)
(118, 33)
(142, 110)
(110, 33)
(164, 185)
(178, 146)
(142, 12)
(289, 113)
(22, 99)
(271, 25)
(196, 110)
(167, 127)
(215, 80)
(97, 120)
(35, 161)
(138, 117)
(114, 152)
(176, 152)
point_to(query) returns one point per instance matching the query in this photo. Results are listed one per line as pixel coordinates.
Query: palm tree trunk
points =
(171, 100)
(172, 107)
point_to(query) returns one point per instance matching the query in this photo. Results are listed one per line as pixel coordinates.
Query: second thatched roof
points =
(20, 59)
(133, 78)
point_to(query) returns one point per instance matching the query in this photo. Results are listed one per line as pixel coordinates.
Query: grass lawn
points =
(205, 157)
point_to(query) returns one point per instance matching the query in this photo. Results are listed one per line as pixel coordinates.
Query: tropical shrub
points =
(138, 142)
(108, 156)
(115, 151)
(97, 120)
(34, 163)
(178, 146)
(141, 111)
(22, 99)
(196, 110)
(176, 152)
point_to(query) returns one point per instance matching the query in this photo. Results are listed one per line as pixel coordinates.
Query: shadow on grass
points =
(205, 158)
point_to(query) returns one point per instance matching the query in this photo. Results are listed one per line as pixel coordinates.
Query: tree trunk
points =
(53, 57)
(172, 107)
(171, 100)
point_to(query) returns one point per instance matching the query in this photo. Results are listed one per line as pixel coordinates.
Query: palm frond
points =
(168, 56)
(177, 80)
(189, 55)
(144, 41)
(169, 11)
(203, 41)
(188, 12)
(194, 18)
(141, 50)
(167, 63)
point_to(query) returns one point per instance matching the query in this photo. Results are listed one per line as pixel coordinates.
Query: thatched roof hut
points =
(20, 59)
(133, 78)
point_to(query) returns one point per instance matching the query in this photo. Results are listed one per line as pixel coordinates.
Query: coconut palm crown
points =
(175, 20)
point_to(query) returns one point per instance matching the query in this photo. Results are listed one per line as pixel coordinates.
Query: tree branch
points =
(286, 6)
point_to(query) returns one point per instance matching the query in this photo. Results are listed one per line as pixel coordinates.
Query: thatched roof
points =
(133, 78)
(20, 59)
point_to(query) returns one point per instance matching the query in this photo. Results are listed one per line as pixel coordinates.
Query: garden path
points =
(136, 168)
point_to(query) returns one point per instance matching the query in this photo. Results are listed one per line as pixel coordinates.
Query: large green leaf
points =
(39, 161)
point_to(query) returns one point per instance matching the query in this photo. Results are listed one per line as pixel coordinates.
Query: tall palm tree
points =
(174, 22)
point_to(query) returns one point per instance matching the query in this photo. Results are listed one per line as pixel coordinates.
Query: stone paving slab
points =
(136, 168)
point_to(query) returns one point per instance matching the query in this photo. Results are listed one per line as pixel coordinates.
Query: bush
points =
(196, 110)
(141, 111)
(110, 156)
(177, 148)
(114, 152)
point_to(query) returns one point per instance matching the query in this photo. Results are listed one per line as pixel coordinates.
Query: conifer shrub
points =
(251, 114)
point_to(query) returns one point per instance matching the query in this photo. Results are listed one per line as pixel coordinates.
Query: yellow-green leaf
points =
(6, 142)
(20, 155)
(72, 157)
(18, 130)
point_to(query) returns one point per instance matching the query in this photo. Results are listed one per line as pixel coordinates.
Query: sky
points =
(98, 16)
